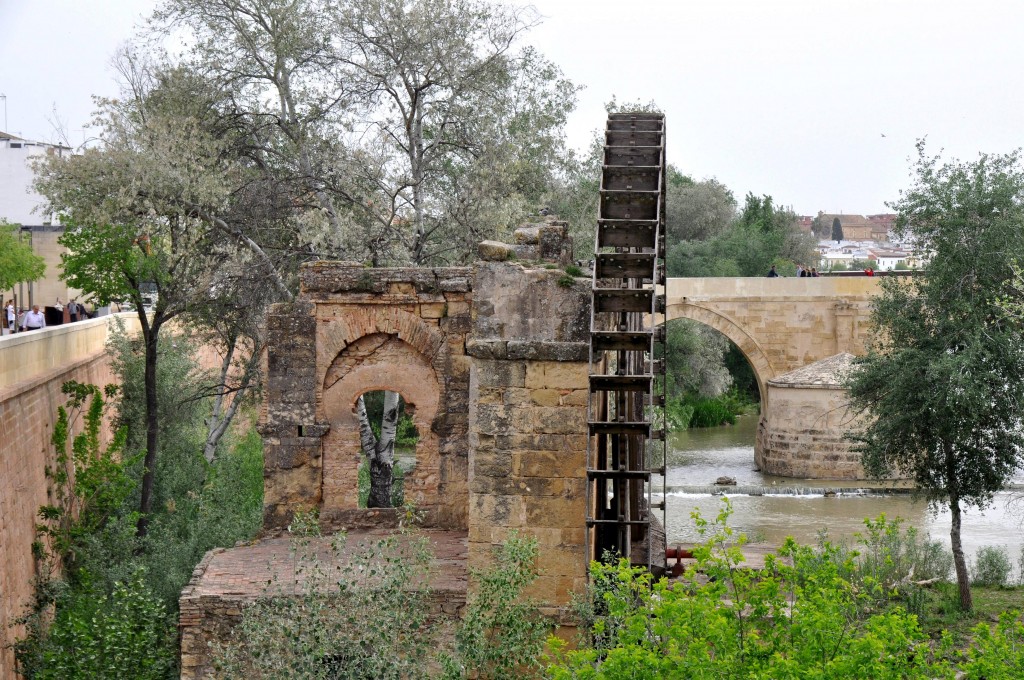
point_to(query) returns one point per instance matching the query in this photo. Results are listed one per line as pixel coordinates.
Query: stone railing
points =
(24, 356)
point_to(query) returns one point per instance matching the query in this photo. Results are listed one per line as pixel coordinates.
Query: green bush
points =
(991, 567)
(711, 412)
(997, 652)
(797, 618)
(501, 634)
(127, 634)
(678, 414)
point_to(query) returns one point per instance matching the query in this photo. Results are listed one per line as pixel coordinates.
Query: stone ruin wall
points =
(493, 361)
(528, 421)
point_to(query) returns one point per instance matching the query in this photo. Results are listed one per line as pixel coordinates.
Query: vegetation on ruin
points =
(366, 616)
(943, 379)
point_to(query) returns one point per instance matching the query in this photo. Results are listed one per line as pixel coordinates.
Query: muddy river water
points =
(769, 508)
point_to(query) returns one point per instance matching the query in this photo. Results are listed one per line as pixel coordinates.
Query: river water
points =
(800, 508)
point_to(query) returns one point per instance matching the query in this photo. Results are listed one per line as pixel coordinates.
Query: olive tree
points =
(152, 207)
(943, 380)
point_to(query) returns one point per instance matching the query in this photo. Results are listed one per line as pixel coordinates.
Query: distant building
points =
(886, 260)
(21, 205)
(855, 227)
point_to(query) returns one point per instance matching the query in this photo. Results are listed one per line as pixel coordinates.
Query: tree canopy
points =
(17, 261)
(943, 381)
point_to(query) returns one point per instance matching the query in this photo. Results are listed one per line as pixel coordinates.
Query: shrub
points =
(711, 413)
(797, 618)
(356, 615)
(991, 567)
(574, 271)
(501, 635)
(127, 634)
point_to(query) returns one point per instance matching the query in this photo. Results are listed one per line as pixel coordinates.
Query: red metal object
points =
(679, 554)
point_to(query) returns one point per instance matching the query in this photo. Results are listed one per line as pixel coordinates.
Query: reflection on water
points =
(697, 457)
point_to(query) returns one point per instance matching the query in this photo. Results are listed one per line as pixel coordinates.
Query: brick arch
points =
(333, 336)
(728, 327)
(377, 361)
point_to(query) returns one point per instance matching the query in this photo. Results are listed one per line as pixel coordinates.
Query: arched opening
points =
(709, 380)
(364, 372)
(713, 407)
(388, 437)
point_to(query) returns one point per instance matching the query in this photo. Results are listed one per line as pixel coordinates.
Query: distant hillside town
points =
(849, 242)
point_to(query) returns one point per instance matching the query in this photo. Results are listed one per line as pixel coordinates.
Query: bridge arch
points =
(730, 328)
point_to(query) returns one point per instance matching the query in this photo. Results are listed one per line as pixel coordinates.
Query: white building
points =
(21, 205)
(18, 201)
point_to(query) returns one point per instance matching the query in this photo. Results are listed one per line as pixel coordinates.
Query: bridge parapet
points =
(24, 356)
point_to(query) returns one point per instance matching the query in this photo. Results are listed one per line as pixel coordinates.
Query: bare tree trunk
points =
(380, 453)
(151, 335)
(963, 578)
(367, 440)
(416, 161)
(220, 419)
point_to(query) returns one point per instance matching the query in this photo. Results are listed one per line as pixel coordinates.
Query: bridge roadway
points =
(780, 324)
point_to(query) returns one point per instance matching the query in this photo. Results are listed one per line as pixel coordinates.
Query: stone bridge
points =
(799, 335)
(780, 324)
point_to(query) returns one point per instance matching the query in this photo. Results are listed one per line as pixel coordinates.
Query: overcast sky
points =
(815, 102)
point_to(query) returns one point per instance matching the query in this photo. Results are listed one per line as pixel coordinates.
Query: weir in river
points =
(769, 508)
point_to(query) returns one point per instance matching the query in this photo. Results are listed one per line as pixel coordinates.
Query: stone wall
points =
(356, 330)
(803, 435)
(527, 411)
(27, 413)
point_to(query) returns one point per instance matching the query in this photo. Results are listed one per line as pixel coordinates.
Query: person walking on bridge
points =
(11, 316)
(772, 273)
(34, 320)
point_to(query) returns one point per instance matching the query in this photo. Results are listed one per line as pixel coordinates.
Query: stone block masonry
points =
(528, 422)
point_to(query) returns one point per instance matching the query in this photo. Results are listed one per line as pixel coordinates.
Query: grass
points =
(940, 609)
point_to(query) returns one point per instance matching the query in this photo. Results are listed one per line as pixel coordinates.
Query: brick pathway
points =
(246, 572)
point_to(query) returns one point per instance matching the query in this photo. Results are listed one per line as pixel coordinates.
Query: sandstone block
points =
(494, 251)
(556, 375)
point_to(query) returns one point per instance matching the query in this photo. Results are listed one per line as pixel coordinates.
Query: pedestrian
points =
(800, 270)
(814, 272)
(772, 273)
(33, 320)
(73, 310)
(11, 316)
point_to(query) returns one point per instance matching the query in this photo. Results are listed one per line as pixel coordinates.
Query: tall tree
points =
(152, 207)
(943, 380)
(837, 230)
(17, 261)
(450, 106)
(697, 211)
